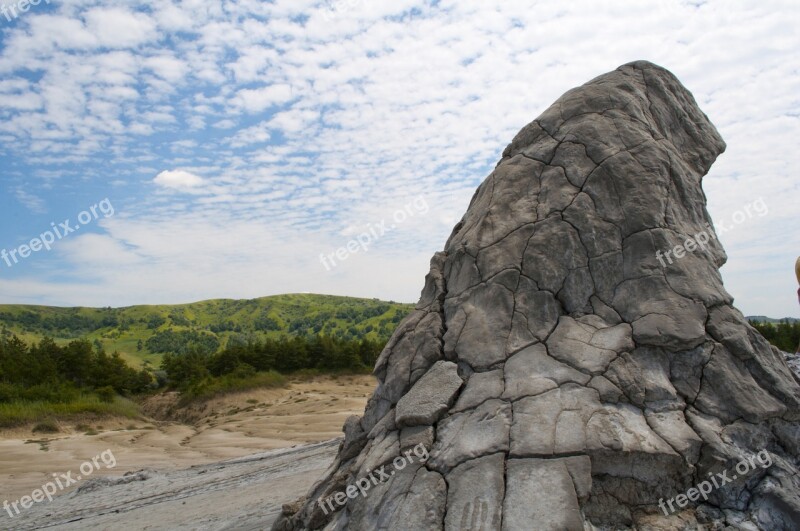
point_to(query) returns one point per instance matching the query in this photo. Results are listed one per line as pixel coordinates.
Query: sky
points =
(229, 149)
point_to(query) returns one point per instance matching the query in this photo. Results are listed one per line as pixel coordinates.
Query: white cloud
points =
(294, 120)
(32, 202)
(167, 67)
(119, 28)
(257, 100)
(257, 134)
(178, 180)
(225, 124)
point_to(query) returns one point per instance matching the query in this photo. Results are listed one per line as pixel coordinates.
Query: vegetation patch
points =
(211, 387)
(23, 412)
(48, 426)
(142, 334)
(785, 335)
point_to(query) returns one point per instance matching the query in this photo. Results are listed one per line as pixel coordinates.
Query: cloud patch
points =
(178, 180)
(32, 202)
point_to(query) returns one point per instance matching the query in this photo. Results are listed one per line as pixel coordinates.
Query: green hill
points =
(143, 334)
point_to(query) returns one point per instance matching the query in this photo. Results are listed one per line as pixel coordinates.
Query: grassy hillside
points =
(142, 334)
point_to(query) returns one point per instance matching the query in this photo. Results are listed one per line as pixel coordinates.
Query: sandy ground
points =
(229, 427)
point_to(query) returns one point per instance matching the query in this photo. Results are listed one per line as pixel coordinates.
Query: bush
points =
(243, 370)
(8, 392)
(62, 393)
(106, 394)
(181, 342)
(211, 387)
(47, 426)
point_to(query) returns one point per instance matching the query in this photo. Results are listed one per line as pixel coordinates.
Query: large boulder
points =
(575, 361)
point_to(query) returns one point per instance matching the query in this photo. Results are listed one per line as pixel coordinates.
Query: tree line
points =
(284, 355)
(784, 335)
(48, 372)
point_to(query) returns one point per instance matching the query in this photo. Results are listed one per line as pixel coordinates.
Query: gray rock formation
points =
(560, 375)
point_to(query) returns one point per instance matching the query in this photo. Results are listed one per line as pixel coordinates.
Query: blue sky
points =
(239, 141)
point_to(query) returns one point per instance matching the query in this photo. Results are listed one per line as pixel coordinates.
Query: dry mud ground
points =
(238, 494)
(230, 465)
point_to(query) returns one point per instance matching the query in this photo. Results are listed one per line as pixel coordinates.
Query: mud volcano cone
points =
(562, 372)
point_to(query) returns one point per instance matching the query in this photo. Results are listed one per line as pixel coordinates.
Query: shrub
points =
(47, 426)
(106, 394)
(211, 387)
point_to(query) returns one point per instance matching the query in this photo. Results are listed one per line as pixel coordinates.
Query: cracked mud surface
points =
(593, 380)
